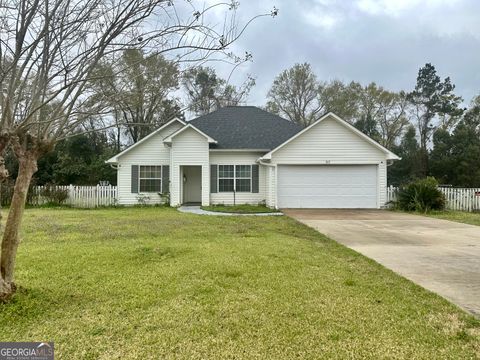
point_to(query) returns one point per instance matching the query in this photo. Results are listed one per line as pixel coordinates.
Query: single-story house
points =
(243, 154)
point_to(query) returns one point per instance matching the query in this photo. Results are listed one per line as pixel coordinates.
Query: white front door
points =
(327, 186)
(192, 184)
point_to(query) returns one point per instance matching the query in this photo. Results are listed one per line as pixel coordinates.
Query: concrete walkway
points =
(440, 255)
(199, 211)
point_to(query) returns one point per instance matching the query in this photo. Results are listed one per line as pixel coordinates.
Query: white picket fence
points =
(462, 199)
(80, 196)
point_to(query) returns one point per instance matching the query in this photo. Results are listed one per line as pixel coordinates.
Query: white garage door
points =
(329, 186)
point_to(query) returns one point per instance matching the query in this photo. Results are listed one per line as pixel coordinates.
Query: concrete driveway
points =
(440, 255)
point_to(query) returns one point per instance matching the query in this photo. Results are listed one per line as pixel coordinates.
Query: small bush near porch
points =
(154, 283)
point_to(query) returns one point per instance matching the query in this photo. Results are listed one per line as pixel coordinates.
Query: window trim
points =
(234, 178)
(143, 178)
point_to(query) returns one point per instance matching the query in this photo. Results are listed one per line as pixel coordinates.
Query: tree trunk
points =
(27, 167)
(4, 287)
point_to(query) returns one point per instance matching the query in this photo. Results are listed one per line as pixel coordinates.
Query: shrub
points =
(54, 195)
(142, 199)
(165, 198)
(420, 195)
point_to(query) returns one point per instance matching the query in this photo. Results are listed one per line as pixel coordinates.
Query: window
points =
(226, 177)
(243, 178)
(234, 178)
(150, 179)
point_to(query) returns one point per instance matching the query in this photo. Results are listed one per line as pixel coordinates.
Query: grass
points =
(472, 218)
(140, 283)
(240, 209)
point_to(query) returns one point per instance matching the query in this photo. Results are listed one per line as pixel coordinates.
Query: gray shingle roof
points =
(245, 127)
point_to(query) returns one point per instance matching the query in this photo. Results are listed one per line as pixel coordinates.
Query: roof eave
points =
(392, 156)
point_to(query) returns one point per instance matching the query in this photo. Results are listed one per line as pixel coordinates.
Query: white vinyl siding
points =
(189, 148)
(239, 158)
(150, 152)
(328, 142)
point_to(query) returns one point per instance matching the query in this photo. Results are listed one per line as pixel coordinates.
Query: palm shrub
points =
(420, 195)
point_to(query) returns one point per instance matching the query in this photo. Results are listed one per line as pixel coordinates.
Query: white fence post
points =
(71, 196)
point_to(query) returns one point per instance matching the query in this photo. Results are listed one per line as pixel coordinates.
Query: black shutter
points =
(255, 178)
(165, 179)
(213, 178)
(134, 183)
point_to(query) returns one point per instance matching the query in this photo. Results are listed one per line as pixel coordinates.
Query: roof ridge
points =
(201, 117)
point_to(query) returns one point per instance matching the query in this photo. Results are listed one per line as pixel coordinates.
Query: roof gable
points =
(390, 155)
(169, 138)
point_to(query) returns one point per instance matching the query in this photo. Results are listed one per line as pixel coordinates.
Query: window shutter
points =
(165, 179)
(134, 184)
(213, 178)
(255, 179)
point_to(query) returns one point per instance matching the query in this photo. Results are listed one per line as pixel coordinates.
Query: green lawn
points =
(141, 283)
(240, 209)
(459, 216)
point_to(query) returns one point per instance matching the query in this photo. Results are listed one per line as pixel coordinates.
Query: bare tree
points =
(393, 119)
(48, 52)
(341, 99)
(138, 90)
(206, 91)
(295, 94)
(385, 110)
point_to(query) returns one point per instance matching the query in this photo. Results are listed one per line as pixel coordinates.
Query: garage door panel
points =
(341, 186)
(298, 190)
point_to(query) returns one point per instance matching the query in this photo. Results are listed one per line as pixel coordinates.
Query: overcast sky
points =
(385, 41)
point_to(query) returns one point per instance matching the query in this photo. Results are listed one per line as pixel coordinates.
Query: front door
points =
(192, 184)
